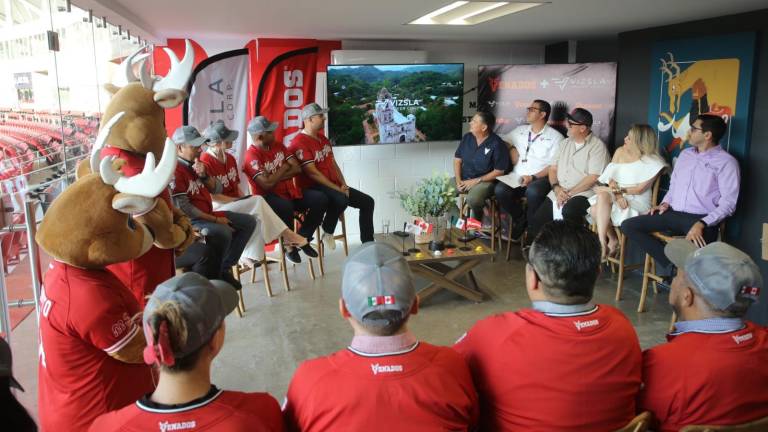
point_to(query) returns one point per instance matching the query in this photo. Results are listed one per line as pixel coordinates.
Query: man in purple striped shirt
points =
(702, 192)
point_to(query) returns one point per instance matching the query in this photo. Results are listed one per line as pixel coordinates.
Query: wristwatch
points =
(702, 222)
(533, 177)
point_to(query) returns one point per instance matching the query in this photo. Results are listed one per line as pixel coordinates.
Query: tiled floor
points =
(263, 348)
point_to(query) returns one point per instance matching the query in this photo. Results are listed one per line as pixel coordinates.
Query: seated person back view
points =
(702, 192)
(184, 328)
(712, 371)
(386, 380)
(227, 232)
(480, 158)
(567, 364)
(15, 416)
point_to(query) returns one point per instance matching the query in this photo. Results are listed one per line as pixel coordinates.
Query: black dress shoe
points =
(309, 251)
(518, 230)
(293, 256)
(229, 278)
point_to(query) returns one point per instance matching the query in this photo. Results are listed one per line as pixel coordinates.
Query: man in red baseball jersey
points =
(712, 370)
(223, 166)
(386, 380)
(567, 364)
(184, 328)
(321, 173)
(271, 170)
(227, 232)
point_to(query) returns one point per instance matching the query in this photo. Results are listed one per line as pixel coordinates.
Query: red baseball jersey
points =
(220, 410)
(225, 173)
(259, 161)
(186, 181)
(421, 389)
(707, 378)
(86, 316)
(563, 372)
(143, 274)
(318, 150)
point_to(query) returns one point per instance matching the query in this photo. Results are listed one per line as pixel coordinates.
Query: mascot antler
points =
(177, 76)
(153, 178)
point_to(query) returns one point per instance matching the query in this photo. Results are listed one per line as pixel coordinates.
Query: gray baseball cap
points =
(204, 304)
(260, 124)
(720, 272)
(311, 110)
(377, 278)
(188, 135)
(6, 364)
(218, 131)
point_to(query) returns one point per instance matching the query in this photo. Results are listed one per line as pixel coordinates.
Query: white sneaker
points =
(329, 242)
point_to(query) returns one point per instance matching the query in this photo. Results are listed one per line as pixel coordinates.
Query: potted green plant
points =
(430, 200)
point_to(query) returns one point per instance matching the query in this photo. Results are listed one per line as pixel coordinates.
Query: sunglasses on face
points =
(573, 123)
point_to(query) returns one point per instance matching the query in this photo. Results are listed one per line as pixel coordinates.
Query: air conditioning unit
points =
(342, 57)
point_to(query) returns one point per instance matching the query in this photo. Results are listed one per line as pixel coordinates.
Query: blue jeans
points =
(225, 243)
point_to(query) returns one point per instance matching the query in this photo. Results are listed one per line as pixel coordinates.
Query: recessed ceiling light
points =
(472, 12)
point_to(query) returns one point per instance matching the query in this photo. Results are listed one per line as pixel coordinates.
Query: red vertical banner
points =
(283, 79)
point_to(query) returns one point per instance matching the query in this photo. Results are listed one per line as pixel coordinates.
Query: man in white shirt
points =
(533, 150)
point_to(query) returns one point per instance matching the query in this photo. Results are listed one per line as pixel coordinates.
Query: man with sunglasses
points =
(579, 161)
(533, 150)
(702, 192)
(566, 364)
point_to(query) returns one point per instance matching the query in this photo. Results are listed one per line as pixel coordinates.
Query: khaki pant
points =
(477, 195)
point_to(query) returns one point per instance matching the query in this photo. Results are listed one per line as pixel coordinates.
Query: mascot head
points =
(91, 224)
(142, 99)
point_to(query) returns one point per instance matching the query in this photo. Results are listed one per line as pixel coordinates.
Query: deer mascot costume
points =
(141, 132)
(113, 227)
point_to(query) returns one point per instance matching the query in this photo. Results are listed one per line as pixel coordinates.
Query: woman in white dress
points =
(626, 185)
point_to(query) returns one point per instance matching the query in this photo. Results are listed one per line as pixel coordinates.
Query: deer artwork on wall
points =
(713, 85)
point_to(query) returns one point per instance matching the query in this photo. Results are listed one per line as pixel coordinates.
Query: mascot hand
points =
(189, 231)
(160, 221)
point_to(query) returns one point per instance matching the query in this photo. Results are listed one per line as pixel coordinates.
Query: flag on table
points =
(470, 224)
(381, 300)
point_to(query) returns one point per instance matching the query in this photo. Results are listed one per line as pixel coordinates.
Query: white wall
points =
(379, 170)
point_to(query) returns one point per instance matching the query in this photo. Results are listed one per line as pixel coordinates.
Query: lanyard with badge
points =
(530, 141)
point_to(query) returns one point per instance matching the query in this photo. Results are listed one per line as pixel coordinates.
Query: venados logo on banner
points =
(288, 83)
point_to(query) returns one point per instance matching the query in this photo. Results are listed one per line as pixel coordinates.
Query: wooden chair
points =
(649, 268)
(619, 262)
(640, 423)
(760, 425)
(493, 206)
(321, 245)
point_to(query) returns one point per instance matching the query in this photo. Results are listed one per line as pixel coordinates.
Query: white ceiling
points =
(383, 19)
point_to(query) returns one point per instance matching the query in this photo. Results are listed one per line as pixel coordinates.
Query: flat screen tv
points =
(385, 104)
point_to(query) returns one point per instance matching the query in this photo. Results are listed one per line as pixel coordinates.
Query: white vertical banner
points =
(218, 90)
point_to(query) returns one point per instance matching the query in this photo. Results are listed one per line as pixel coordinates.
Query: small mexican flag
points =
(381, 300)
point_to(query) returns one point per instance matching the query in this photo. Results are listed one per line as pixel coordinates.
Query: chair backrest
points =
(640, 423)
(760, 425)
(656, 186)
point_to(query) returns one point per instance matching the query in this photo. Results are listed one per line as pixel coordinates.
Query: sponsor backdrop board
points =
(507, 90)
(385, 104)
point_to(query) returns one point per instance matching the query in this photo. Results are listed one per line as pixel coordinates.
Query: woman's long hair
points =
(645, 139)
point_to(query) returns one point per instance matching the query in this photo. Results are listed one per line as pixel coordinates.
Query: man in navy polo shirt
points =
(481, 157)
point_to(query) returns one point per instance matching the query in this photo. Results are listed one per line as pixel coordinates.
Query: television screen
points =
(383, 104)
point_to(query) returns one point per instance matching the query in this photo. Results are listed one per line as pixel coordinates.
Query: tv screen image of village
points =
(383, 104)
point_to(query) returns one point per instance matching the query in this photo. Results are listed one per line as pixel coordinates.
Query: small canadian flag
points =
(381, 300)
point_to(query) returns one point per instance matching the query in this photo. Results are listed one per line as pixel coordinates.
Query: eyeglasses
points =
(573, 123)
(697, 128)
(532, 109)
(526, 252)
